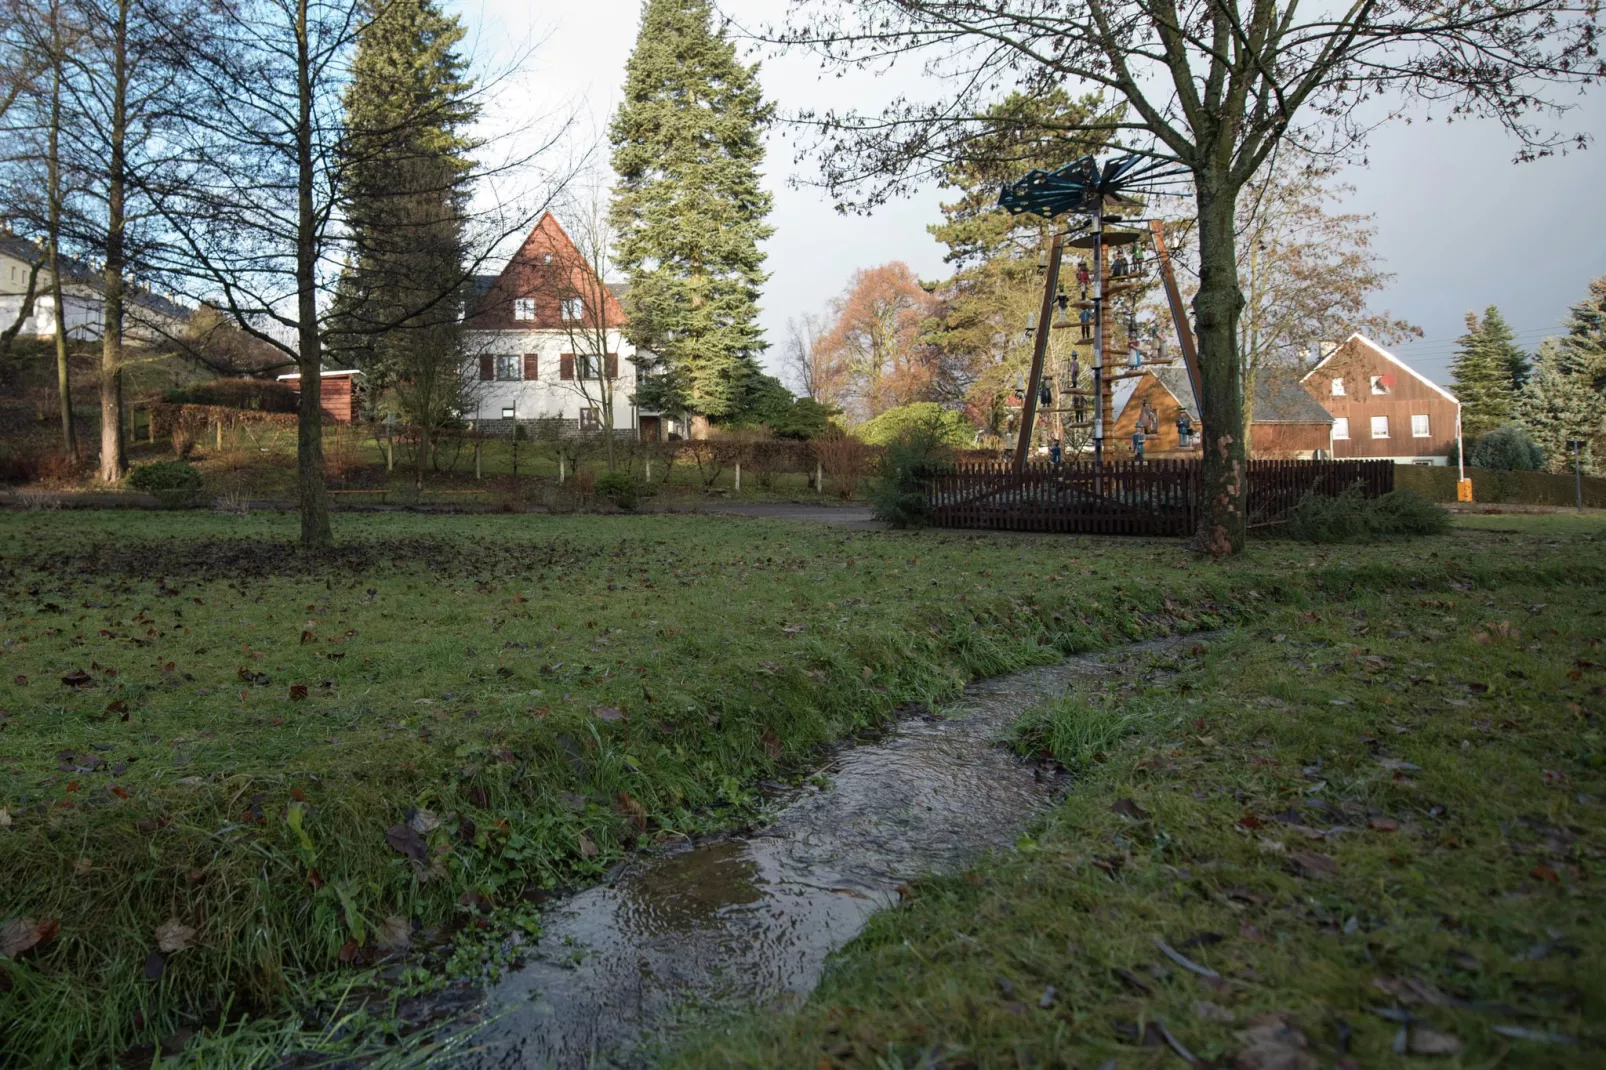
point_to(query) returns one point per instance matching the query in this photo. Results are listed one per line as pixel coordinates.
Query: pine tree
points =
(406, 189)
(689, 210)
(1503, 349)
(1483, 377)
(1565, 397)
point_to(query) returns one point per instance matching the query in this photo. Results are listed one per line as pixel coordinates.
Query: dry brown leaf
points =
(173, 935)
(23, 934)
(1274, 1046)
(588, 849)
(395, 933)
(1425, 1041)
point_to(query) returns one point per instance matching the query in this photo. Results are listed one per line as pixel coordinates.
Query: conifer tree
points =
(1482, 370)
(1565, 397)
(689, 210)
(406, 189)
(1503, 349)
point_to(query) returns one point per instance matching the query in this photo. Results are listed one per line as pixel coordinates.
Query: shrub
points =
(1507, 449)
(264, 395)
(899, 492)
(844, 460)
(1353, 517)
(621, 488)
(925, 418)
(173, 483)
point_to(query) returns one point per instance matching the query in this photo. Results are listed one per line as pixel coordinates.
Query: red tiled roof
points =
(547, 269)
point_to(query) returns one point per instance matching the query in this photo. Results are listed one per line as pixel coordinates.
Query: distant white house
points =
(147, 317)
(544, 341)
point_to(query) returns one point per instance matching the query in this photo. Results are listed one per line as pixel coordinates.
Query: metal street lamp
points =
(1577, 446)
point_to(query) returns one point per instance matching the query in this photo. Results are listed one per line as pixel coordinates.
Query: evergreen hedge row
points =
(1501, 488)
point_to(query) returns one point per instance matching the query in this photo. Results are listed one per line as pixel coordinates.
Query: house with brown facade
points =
(545, 342)
(1285, 423)
(1382, 408)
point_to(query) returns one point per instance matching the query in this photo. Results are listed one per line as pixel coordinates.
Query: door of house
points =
(651, 429)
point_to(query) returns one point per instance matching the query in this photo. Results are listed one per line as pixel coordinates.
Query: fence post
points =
(476, 460)
(819, 478)
(150, 426)
(738, 477)
(649, 469)
(219, 434)
(561, 471)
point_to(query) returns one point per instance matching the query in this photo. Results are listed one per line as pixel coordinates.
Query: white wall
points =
(548, 395)
(84, 308)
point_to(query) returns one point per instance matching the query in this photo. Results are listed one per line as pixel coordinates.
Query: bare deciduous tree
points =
(1214, 86)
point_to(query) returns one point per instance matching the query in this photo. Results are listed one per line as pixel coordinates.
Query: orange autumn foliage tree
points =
(871, 356)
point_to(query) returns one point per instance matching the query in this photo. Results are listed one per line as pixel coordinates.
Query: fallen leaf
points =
(608, 713)
(423, 822)
(395, 933)
(406, 841)
(1127, 808)
(1274, 1046)
(20, 681)
(1409, 991)
(78, 678)
(5, 818)
(1542, 872)
(588, 849)
(1212, 1012)
(1425, 1041)
(1315, 865)
(155, 963)
(772, 744)
(572, 800)
(23, 934)
(1398, 765)
(1384, 824)
(174, 935)
(119, 706)
(298, 692)
(633, 809)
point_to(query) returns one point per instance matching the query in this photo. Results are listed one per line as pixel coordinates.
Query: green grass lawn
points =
(1352, 833)
(227, 770)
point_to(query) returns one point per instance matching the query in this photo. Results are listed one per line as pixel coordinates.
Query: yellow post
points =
(1463, 490)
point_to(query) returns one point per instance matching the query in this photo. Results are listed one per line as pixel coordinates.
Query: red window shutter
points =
(531, 365)
(487, 369)
(613, 365)
(566, 366)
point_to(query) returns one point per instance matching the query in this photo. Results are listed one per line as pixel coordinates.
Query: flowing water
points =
(748, 921)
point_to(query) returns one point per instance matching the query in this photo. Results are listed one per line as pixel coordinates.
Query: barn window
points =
(524, 308)
(1380, 384)
(1419, 426)
(1340, 427)
(1338, 388)
(510, 368)
(1380, 427)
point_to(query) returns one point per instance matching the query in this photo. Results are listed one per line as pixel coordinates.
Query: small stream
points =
(748, 921)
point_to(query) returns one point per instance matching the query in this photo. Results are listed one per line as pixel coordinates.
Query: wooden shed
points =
(338, 396)
(1287, 422)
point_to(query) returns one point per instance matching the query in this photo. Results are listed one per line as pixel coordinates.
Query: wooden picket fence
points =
(1129, 497)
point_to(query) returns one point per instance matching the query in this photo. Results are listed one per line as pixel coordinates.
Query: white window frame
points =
(1378, 385)
(515, 362)
(1426, 425)
(1384, 423)
(524, 308)
(1341, 429)
(573, 309)
(1337, 388)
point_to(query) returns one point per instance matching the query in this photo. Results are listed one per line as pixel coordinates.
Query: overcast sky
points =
(1459, 225)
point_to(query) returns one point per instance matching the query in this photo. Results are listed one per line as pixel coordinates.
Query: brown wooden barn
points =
(338, 397)
(1383, 408)
(1286, 423)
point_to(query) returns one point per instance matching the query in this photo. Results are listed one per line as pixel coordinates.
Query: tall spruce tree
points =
(1504, 351)
(689, 211)
(406, 174)
(1565, 398)
(1483, 375)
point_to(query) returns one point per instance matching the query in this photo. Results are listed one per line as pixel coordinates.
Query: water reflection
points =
(749, 921)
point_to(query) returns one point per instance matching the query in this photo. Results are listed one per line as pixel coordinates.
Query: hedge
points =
(1437, 483)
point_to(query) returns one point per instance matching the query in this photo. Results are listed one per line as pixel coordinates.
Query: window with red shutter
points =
(487, 369)
(531, 366)
(566, 366)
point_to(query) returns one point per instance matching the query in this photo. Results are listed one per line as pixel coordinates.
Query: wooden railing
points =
(1128, 497)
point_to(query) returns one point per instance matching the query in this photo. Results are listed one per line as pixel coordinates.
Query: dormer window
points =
(524, 308)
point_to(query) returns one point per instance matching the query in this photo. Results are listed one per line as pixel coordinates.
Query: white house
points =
(544, 342)
(147, 317)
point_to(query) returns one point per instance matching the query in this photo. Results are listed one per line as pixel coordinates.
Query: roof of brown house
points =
(547, 268)
(1278, 399)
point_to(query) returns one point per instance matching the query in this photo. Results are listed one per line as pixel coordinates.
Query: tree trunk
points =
(312, 497)
(69, 432)
(1216, 309)
(112, 458)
